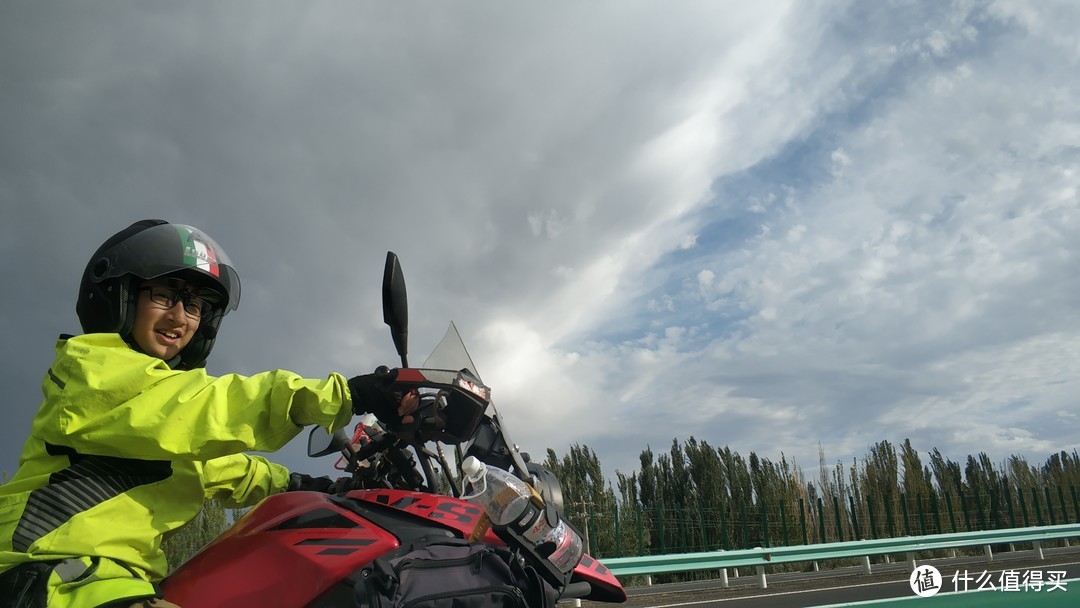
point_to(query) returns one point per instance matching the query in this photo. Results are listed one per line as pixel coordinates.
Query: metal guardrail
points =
(762, 556)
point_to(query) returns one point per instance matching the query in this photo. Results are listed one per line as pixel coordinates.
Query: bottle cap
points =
(473, 468)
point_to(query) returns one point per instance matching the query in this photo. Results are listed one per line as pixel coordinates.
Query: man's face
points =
(162, 326)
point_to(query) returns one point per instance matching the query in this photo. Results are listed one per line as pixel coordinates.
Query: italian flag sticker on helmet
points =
(197, 252)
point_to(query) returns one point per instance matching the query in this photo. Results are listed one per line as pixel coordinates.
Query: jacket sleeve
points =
(241, 480)
(104, 398)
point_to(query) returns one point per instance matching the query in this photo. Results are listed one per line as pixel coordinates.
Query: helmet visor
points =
(173, 248)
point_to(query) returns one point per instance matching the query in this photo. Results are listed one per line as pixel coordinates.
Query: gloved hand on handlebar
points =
(372, 393)
(298, 482)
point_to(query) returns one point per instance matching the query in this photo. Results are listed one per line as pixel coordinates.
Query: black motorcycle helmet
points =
(150, 249)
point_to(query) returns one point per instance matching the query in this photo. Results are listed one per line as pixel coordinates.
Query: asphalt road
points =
(850, 586)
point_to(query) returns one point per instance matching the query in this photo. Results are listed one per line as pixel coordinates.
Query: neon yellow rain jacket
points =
(125, 450)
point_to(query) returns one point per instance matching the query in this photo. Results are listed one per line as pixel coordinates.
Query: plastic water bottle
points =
(506, 500)
(503, 496)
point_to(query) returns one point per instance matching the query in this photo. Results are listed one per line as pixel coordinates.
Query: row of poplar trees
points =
(695, 497)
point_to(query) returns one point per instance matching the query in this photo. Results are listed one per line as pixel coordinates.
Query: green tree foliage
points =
(917, 479)
(588, 499)
(880, 488)
(696, 497)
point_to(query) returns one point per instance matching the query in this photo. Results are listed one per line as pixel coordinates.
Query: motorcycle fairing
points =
(287, 551)
(462, 516)
(454, 513)
(605, 587)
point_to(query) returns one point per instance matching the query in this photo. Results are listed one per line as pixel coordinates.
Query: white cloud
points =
(765, 224)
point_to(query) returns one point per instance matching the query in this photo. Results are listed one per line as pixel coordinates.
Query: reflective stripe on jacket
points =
(125, 450)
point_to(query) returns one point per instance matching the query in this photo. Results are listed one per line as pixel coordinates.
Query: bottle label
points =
(503, 499)
(534, 523)
(483, 524)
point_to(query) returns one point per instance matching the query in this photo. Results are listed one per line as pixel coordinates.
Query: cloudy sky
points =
(767, 225)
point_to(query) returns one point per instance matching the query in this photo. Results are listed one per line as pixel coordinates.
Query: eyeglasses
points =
(196, 304)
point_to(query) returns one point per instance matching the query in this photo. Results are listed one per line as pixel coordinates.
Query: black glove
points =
(343, 485)
(298, 482)
(371, 393)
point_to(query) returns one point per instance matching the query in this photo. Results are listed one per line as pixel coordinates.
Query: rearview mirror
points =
(321, 442)
(396, 305)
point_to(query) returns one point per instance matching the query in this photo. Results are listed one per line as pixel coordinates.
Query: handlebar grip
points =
(576, 590)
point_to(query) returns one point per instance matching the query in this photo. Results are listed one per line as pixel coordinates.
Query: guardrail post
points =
(762, 584)
(648, 580)
(989, 553)
(911, 559)
(1037, 546)
(723, 578)
(866, 564)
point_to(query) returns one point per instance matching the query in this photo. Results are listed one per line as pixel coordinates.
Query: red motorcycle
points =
(315, 550)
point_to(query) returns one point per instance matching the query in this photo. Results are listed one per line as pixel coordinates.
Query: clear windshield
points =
(451, 354)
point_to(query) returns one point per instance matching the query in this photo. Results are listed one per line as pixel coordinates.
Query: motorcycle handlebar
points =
(576, 590)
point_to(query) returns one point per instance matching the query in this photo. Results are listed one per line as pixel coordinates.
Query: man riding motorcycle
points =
(134, 435)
